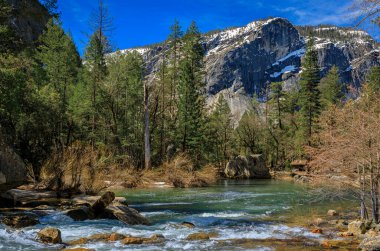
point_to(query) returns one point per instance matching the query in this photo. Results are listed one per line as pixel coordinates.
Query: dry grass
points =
(181, 173)
(80, 168)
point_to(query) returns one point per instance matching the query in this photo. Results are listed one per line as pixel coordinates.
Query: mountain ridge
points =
(242, 61)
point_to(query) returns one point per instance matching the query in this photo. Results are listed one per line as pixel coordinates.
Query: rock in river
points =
(50, 235)
(247, 167)
(20, 220)
(106, 208)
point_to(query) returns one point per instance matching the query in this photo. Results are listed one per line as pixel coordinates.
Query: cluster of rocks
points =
(356, 230)
(107, 208)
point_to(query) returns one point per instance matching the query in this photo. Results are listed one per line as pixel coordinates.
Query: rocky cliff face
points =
(12, 169)
(29, 19)
(241, 62)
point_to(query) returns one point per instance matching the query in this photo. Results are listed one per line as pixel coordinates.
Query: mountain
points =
(241, 62)
(29, 19)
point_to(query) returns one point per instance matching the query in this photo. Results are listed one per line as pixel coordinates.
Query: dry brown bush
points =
(79, 168)
(180, 172)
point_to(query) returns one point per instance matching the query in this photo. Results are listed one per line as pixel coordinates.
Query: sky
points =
(143, 22)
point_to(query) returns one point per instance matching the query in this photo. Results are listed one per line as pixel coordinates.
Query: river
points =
(238, 212)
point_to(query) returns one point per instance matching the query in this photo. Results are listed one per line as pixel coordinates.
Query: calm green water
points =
(253, 210)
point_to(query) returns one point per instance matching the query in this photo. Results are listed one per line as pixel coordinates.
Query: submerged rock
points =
(50, 235)
(187, 224)
(201, 236)
(20, 220)
(247, 167)
(154, 239)
(78, 249)
(116, 237)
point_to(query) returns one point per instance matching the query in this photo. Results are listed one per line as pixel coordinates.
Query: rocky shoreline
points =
(337, 230)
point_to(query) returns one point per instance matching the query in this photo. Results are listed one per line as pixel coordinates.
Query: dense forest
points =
(77, 121)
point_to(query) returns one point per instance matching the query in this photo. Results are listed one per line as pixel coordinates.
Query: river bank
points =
(232, 215)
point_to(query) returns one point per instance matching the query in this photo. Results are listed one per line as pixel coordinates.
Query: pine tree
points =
(331, 88)
(174, 55)
(60, 59)
(222, 126)
(96, 50)
(191, 121)
(309, 97)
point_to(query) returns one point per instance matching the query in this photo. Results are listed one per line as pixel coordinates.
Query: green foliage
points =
(60, 63)
(331, 88)
(221, 125)
(309, 98)
(191, 119)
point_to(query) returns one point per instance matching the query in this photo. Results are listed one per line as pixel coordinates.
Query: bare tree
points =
(366, 10)
(350, 148)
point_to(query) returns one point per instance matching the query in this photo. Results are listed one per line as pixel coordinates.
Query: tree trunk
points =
(148, 163)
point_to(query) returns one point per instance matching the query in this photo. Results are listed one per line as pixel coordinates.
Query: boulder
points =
(80, 214)
(357, 227)
(125, 214)
(370, 244)
(20, 220)
(332, 213)
(13, 171)
(247, 167)
(30, 197)
(107, 208)
(50, 235)
(100, 205)
(201, 236)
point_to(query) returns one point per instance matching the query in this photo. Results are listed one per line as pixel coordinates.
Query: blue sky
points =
(142, 22)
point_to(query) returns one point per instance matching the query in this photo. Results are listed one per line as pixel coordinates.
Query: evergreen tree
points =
(309, 97)
(96, 50)
(331, 88)
(174, 55)
(191, 121)
(60, 59)
(222, 125)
